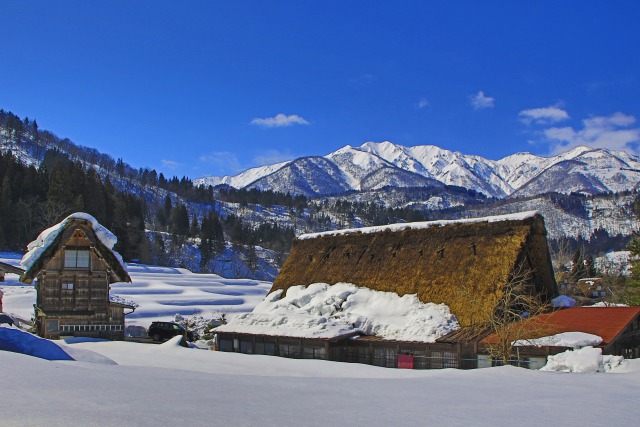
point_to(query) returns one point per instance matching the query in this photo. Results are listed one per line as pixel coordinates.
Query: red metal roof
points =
(606, 322)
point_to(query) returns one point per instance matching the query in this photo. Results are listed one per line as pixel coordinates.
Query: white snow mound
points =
(586, 359)
(48, 236)
(325, 311)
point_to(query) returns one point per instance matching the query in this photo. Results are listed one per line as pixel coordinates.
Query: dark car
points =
(162, 331)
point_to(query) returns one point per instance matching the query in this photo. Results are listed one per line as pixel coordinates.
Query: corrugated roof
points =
(606, 322)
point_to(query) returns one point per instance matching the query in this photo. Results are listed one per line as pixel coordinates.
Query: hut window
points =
(67, 286)
(441, 253)
(76, 258)
(473, 247)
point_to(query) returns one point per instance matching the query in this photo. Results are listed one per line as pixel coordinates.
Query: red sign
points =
(405, 361)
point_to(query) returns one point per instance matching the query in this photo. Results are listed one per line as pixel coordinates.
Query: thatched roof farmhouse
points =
(464, 264)
(395, 271)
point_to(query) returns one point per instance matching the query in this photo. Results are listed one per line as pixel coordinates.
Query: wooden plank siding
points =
(77, 297)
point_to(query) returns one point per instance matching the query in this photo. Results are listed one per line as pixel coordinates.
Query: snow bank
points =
(36, 248)
(565, 339)
(323, 311)
(586, 359)
(563, 301)
(18, 341)
(421, 225)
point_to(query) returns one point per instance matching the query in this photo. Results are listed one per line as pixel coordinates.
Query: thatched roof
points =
(464, 264)
(71, 224)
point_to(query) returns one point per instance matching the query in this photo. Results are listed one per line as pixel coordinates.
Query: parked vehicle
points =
(162, 331)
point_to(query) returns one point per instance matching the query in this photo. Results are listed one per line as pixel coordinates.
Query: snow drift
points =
(325, 311)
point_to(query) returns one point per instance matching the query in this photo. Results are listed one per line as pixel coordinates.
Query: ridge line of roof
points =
(422, 225)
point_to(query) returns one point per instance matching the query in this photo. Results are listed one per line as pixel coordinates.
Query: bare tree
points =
(516, 316)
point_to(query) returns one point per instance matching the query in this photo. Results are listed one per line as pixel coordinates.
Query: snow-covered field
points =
(124, 383)
(127, 383)
(160, 292)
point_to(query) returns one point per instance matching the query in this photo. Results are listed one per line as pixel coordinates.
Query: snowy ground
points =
(126, 383)
(153, 385)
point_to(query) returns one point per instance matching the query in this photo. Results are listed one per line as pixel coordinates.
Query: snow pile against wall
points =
(323, 311)
(586, 359)
(565, 339)
(421, 225)
(36, 248)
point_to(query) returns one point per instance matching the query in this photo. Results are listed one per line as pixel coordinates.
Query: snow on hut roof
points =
(323, 311)
(563, 339)
(421, 225)
(117, 299)
(36, 248)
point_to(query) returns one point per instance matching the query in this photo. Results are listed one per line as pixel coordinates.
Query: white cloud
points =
(170, 164)
(270, 157)
(225, 162)
(480, 101)
(543, 116)
(280, 120)
(422, 103)
(364, 79)
(613, 132)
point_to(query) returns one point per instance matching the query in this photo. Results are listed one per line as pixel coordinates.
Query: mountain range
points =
(373, 166)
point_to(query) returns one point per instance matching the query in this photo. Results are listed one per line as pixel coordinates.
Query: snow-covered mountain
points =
(374, 165)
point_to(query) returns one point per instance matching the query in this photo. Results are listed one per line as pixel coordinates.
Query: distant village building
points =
(465, 264)
(618, 327)
(72, 265)
(8, 268)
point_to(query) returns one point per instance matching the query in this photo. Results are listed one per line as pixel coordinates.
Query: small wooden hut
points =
(72, 269)
(465, 264)
(8, 268)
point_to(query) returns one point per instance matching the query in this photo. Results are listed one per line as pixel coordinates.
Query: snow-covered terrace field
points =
(161, 293)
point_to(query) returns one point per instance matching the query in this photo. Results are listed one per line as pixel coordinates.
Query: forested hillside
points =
(171, 221)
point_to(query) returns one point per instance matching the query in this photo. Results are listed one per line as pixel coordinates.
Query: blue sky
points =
(209, 88)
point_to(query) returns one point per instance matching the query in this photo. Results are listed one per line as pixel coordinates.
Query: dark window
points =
(270, 348)
(289, 350)
(384, 357)
(313, 352)
(246, 346)
(226, 345)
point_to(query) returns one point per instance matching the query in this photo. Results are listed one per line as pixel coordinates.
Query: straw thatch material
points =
(117, 273)
(465, 265)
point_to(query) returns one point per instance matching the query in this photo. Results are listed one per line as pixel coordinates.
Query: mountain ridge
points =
(581, 169)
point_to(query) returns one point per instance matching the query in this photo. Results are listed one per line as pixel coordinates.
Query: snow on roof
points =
(117, 299)
(421, 225)
(36, 248)
(328, 311)
(564, 339)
